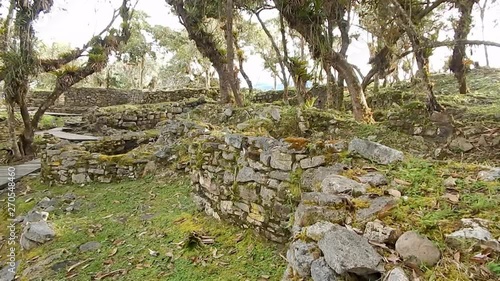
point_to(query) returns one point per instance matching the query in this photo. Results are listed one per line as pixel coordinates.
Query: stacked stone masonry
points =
(66, 163)
(254, 181)
(88, 97)
(142, 117)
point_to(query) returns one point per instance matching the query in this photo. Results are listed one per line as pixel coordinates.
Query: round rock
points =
(411, 244)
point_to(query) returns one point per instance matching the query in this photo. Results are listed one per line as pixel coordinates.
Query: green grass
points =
(175, 217)
(426, 211)
(46, 122)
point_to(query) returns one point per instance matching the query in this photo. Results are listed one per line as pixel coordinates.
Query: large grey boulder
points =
(300, 256)
(320, 271)
(376, 205)
(8, 273)
(375, 151)
(411, 244)
(90, 246)
(36, 233)
(233, 140)
(347, 252)
(461, 144)
(336, 184)
(492, 174)
(473, 231)
(246, 174)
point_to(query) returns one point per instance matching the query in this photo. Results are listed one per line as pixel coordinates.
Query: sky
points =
(75, 21)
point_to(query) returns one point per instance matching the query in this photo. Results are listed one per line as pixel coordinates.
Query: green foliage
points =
(49, 122)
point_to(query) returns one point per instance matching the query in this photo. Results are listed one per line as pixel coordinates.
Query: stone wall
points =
(256, 181)
(140, 117)
(88, 97)
(66, 163)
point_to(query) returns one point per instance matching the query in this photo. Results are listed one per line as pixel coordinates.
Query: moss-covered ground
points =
(131, 218)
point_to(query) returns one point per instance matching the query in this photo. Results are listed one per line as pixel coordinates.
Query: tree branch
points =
(54, 64)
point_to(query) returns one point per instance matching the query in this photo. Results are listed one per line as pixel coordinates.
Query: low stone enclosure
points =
(108, 160)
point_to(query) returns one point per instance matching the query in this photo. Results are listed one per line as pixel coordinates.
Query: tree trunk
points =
(223, 85)
(11, 119)
(462, 29)
(360, 109)
(141, 78)
(482, 11)
(28, 134)
(376, 84)
(207, 79)
(285, 57)
(241, 60)
(330, 82)
(344, 27)
(420, 56)
(230, 54)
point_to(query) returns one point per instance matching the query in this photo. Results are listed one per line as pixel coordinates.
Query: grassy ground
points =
(129, 219)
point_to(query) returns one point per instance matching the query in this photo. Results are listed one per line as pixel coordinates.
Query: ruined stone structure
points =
(142, 117)
(89, 97)
(109, 160)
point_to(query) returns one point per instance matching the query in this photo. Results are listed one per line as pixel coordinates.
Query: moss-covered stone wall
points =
(66, 163)
(137, 117)
(88, 97)
(256, 182)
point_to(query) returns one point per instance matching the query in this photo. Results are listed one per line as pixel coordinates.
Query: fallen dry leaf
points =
(77, 265)
(113, 252)
(394, 193)
(153, 253)
(101, 275)
(393, 258)
(456, 256)
(118, 242)
(452, 195)
(480, 257)
(402, 182)
(239, 237)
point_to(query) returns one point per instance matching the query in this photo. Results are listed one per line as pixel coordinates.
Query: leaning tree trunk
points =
(344, 27)
(330, 84)
(482, 11)
(462, 29)
(281, 60)
(360, 109)
(233, 78)
(241, 60)
(420, 56)
(11, 120)
(285, 59)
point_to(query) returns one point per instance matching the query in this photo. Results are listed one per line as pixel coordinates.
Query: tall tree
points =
(233, 77)
(378, 18)
(482, 13)
(308, 18)
(193, 15)
(4, 48)
(421, 52)
(462, 29)
(138, 49)
(22, 63)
